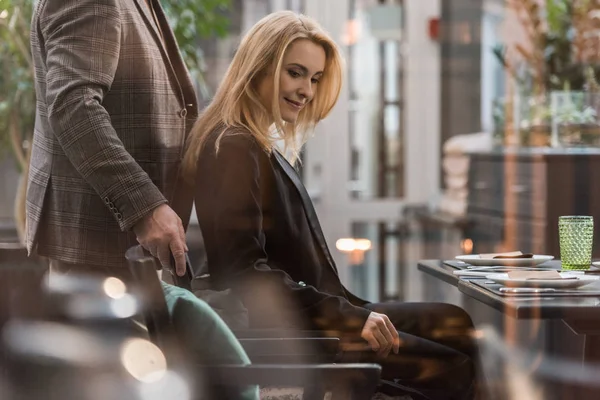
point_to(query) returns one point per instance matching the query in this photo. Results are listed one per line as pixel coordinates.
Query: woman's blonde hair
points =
(237, 102)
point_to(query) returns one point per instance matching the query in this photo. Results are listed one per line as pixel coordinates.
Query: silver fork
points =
(509, 268)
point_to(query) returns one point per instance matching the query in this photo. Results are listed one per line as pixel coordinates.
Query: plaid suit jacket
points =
(114, 106)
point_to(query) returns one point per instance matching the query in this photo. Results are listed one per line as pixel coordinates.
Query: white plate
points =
(474, 259)
(550, 283)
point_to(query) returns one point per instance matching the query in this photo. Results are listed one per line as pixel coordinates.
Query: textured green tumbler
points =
(576, 234)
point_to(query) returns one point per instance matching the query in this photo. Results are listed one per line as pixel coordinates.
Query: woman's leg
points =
(435, 349)
(437, 371)
(438, 322)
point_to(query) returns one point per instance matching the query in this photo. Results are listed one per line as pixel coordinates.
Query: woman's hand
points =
(381, 335)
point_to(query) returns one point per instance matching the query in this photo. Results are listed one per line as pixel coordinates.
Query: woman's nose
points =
(306, 90)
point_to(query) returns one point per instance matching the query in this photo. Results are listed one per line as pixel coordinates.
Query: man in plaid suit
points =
(114, 106)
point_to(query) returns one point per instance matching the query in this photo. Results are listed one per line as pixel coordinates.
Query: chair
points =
(293, 345)
(346, 381)
(273, 346)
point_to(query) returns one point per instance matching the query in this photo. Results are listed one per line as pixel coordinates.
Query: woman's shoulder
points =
(232, 137)
(233, 144)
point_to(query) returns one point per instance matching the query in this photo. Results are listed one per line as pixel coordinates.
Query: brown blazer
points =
(114, 106)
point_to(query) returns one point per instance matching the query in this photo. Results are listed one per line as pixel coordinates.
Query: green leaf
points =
(193, 20)
(16, 78)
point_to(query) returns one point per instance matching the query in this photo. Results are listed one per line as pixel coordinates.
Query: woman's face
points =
(302, 67)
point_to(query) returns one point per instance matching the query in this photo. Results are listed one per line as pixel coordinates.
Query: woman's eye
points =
(315, 80)
(293, 74)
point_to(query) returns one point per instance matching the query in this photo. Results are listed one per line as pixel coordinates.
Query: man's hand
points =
(381, 335)
(161, 233)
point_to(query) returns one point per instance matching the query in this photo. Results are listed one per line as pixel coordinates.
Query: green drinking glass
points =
(576, 235)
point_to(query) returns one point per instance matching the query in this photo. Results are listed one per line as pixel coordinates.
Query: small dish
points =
(570, 281)
(475, 259)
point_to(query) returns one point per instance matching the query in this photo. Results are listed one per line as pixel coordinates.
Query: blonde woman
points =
(260, 230)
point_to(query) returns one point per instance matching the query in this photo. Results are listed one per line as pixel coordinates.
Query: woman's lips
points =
(294, 104)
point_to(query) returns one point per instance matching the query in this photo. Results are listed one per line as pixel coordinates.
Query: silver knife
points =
(488, 271)
(509, 268)
(526, 290)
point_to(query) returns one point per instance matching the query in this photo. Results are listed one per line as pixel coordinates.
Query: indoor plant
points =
(561, 51)
(575, 120)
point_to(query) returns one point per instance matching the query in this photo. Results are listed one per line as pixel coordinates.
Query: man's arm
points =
(81, 39)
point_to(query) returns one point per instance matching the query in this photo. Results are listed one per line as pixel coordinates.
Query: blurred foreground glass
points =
(576, 235)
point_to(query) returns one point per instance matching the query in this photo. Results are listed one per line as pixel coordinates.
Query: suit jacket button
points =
(183, 113)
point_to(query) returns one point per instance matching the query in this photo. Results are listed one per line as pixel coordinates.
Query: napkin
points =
(509, 254)
(535, 275)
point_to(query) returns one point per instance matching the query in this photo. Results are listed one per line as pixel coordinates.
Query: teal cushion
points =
(206, 337)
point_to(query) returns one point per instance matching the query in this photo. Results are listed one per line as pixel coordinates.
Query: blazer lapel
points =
(149, 19)
(176, 61)
(309, 209)
(169, 50)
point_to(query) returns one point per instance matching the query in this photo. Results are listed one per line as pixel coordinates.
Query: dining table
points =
(554, 335)
(577, 309)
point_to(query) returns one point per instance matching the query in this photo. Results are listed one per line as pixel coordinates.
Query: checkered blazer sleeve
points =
(81, 39)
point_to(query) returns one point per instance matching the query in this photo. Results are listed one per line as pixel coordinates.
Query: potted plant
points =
(17, 96)
(576, 120)
(562, 50)
(191, 21)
